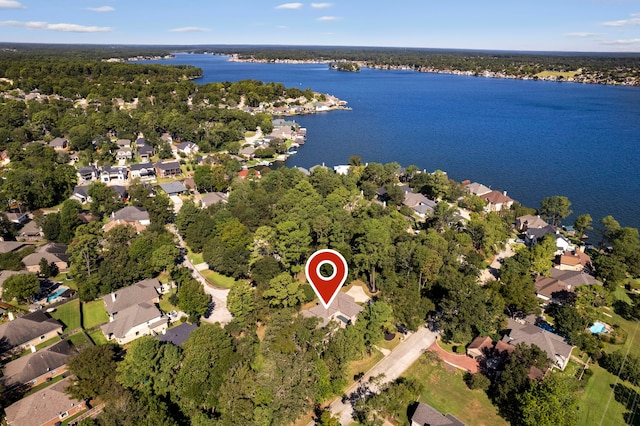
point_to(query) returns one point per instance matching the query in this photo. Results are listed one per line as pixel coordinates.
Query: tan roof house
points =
(47, 407)
(344, 310)
(52, 252)
(133, 313)
(130, 215)
(477, 188)
(27, 331)
(529, 221)
(37, 367)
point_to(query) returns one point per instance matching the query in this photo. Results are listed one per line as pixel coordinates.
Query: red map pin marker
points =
(326, 288)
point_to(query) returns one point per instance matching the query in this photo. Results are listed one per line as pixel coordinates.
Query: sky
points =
(541, 25)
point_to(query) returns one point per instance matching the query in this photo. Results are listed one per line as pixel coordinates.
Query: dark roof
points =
(81, 190)
(145, 149)
(120, 190)
(34, 365)
(177, 335)
(173, 187)
(131, 213)
(538, 233)
(426, 415)
(171, 165)
(26, 328)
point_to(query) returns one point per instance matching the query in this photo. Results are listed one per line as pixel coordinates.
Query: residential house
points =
(140, 141)
(26, 332)
(189, 183)
(529, 221)
(479, 346)
(426, 415)
(421, 205)
(88, 174)
(81, 193)
(574, 278)
(37, 367)
(342, 169)
(31, 232)
(59, 144)
(573, 260)
(249, 174)
(187, 148)
(125, 154)
(18, 218)
(142, 170)
(9, 246)
(53, 253)
(478, 189)
(173, 188)
(171, 168)
(123, 143)
(133, 313)
(111, 173)
(558, 351)
(550, 289)
(497, 201)
(247, 152)
(145, 152)
(177, 335)
(48, 407)
(344, 310)
(211, 198)
(121, 192)
(130, 215)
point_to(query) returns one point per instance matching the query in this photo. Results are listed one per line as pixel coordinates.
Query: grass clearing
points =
(165, 305)
(445, 390)
(94, 314)
(46, 343)
(563, 74)
(43, 385)
(68, 314)
(195, 258)
(598, 404)
(218, 280)
(98, 337)
(79, 340)
(363, 365)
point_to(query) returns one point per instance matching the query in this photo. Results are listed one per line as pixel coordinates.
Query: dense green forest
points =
(271, 364)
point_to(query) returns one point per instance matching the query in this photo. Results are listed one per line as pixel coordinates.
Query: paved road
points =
(392, 366)
(492, 271)
(218, 296)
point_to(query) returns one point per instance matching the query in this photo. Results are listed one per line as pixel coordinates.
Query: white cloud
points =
(101, 9)
(327, 18)
(581, 34)
(633, 20)
(321, 5)
(67, 28)
(622, 42)
(289, 6)
(189, 30)
(11, 4)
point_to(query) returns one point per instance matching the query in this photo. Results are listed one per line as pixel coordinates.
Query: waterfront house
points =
(130, 215)
(497, 201)
(528, 221)
(573, 260)
(47, 407)
(477, 189)
(27, 331)
(133, 313)
(171, 168)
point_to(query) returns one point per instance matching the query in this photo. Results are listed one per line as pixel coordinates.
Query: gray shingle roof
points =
(555, 347)
(143, 291)
(34, 365)
(427, 415)
(131, 214)
(131, 317)
(26, 328)
(173, 187)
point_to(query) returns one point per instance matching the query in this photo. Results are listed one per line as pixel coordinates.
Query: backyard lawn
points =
(93, 314)
(68, 314)
(98, 337)
(445, 390)
(218, 280)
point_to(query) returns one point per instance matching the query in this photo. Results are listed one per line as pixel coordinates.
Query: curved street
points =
(218, 296)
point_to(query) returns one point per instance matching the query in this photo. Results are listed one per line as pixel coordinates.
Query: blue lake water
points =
(531, 138)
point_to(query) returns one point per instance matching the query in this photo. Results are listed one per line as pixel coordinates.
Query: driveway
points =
(218, 296)
(392, 366)
(177, 203)
(492, 271)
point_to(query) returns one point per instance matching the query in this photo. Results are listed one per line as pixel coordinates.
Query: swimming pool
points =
(55, 295)
(597, 328)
